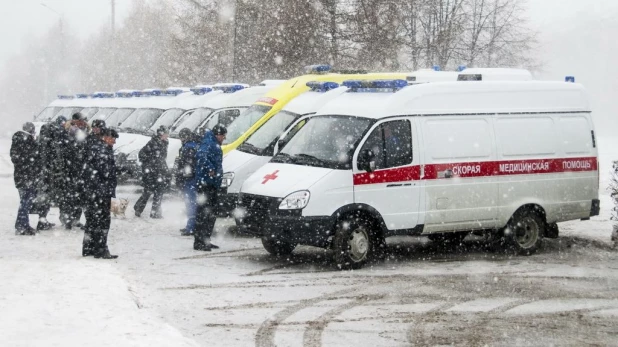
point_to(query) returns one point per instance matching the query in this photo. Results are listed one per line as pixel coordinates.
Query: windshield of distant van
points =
(167, 118)
(268, 133)
(88, 112)
(141, 120)
(67, 112)
(102, 113)
(325, 141)
(243, 122)
(192, 119)
(47, 114)
(118, 116)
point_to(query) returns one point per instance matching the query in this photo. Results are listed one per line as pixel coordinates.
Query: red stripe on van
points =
(479, 169)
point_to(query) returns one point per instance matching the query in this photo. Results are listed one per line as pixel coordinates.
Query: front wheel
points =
(276, 246)
(353, 244)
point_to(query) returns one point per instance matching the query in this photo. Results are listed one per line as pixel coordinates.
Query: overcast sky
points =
(576, 37)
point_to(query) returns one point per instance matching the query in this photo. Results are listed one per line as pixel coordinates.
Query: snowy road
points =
(162, 293)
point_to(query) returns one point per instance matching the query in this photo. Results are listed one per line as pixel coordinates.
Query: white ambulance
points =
(260, 146)
(433, 159)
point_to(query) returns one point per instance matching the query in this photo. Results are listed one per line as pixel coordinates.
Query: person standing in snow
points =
(95, 135)
(100, 180)
(51, 140)
(154, 173)
(185, 176)
(74, 154)
(26, 161)
(209, 175)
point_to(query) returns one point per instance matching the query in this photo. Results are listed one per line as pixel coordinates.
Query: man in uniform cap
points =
(100, 184)
(155, 176)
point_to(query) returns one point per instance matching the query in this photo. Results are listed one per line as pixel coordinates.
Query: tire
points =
(524, 232)
(452, 239)
(277, 246)
(354, 244)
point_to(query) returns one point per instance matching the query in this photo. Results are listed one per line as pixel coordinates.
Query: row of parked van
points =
(344, 161)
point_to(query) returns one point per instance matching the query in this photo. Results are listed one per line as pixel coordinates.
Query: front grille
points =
(255, 209)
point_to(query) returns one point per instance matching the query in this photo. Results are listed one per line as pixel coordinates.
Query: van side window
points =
(391, 143)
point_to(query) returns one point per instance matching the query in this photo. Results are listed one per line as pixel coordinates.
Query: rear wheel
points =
(353, 243)
(276, 246)
(524, 232)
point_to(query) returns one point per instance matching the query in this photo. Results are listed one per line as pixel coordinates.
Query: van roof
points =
(495, 74)
(311, 101)
(463, 98)
(242, 98)
(429, 75)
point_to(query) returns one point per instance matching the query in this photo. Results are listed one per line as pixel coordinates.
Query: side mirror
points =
(366, 160)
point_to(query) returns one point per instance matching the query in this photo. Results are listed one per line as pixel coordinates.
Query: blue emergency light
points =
(461, 68)
(124, 93)
(65, 97)
(152, 92)
(570, 79)
(317, 69)
(437, 68)
(318, 86)
(229, 88)
(102, 95)
(376, 86)
(81, 96)
(201, 90)
(173, 92)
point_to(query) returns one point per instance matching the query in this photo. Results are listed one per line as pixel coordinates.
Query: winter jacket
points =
(154, 166)
(99, 174)
(26, 160)
(209, 158)
(185, 164)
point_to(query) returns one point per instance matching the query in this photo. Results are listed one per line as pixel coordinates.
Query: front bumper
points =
(261, 216)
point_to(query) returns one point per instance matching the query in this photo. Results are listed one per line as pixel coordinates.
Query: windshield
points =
(67, 112)
(223, 117)
(192, 120)
(167, 118)
(118, 116)
(325, 141)
(141, 120)
(243, 122)
(268, 133)
(102, 113)
(47, 114)
(88, 112)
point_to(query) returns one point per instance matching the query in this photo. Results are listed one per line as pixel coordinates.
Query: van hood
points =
(127, 143)
(235, 159)
(278, 179)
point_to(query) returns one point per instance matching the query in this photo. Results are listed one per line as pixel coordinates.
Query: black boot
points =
(29, 231)
(87, 249)
(105, 255)
(45, 226)
(199, 246)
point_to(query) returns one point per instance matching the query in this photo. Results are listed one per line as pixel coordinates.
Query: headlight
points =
(295, 201)
(228, 177)
(133, 156)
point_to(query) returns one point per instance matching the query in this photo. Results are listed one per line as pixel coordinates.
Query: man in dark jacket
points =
(74, 154)
(209, 174)
(95, 135)
(51, 140)
(99, 176)
(185, 176)
(26, 161)
(154, 173)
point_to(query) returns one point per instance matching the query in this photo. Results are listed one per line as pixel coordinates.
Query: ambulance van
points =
(260, 146)
(448, 158)
(267, 106)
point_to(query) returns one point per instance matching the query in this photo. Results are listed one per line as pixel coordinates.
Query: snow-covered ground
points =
(160, 292)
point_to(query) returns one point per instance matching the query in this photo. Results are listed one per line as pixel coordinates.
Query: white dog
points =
(119, 206)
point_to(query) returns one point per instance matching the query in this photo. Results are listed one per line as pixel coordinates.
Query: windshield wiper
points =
(249, 148)
(282, 158)
(311, 160)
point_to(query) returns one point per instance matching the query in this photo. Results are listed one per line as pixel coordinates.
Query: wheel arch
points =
(361, 210)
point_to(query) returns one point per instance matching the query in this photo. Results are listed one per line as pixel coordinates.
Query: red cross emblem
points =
(273, 176)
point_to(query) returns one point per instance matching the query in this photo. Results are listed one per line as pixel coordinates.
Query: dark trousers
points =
(190, 195)
(98, 221)
(206, 216)
(140, 205)
(70, 208)
(26, 198)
